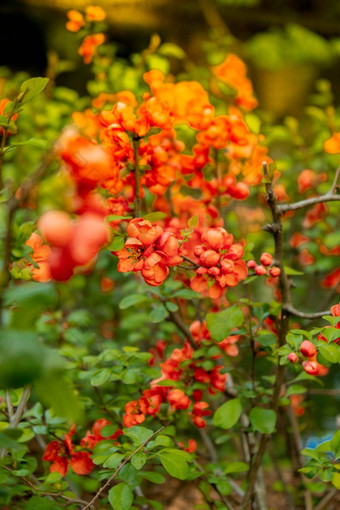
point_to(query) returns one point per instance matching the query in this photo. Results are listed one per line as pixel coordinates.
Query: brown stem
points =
(303, 315)
(275, 229)
(323, 504)
(116, 473)
(328, 197)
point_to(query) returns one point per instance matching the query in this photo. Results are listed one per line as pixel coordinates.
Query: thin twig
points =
(194, 264)
(323, 504)
(327, 197)
(115, 474)
(303, 315)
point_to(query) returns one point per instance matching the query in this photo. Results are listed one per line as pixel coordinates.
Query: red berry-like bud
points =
(274, 271)
(260, 270)
(307, 349)
(266, 259)
(251, 264)
(335, 310)
(293, 357)
(311, 367)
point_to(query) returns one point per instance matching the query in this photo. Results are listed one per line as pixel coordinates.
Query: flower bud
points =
(293, 357)
(266, 259)
(307, 349)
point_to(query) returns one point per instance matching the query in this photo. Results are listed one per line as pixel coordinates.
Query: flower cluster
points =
(309, 350)
(220, 261)
(150, 250)
(63, 453)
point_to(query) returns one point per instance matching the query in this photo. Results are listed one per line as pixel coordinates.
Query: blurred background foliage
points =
(289, 43)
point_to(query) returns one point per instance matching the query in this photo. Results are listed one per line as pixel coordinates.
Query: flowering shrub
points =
(149, 327)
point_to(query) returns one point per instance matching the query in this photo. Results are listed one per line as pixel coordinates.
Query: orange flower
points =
(76, 21)
(233, 72)
(89, 46)
(95, 13)
(332, 144)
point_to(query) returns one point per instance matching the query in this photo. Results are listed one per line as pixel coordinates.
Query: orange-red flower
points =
(89, 46)
(63, 455)
(75, 20)
(93, 437)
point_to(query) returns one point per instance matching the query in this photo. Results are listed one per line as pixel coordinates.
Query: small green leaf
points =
(228, 414)
(121, 497)
(224, 487)
(236, 467)
(100, 377)
(193, 221)
(159, 313)
(32, 88)
(220, 324)
(138, 434)
(134, 299)
(153, 476)
(138, 460)
(292, 272)
(174, 462)
(155, 216)
(117, 243)
(187, 294)
(335, 443)
(171, 50)
(330, 352)
(116, 217)
(263, 420)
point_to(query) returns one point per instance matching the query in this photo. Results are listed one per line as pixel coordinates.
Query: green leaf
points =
(159, 313)
(329, 351)
(336, 480)
(228, 414)
(116, 217)
(155, 216)
(121, 497)
(295, 389)
(263, 420)
(113, 460)
(236, 467)
(224, 487)
(138, 434)
(153, 476)
(187, 294)
(100, 377)
(31, 294)
(174, 463)
(56, 392)
(335, 443)
(171, 50)
(32, 88)
(292, 272)
(117, 243)
(138, 460)
(193, 221)
(22, 358)
(134, 299)
(220, 324)
(309, 452)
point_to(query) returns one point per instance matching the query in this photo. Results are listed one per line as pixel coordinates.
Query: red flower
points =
(62, 454)
(93, 437)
